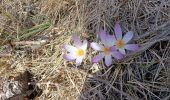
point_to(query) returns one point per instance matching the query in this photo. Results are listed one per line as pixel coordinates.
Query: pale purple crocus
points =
(76, 52)
(122, 42)
(107, 50)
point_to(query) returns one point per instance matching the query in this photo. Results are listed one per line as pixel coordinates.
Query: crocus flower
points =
(107, 49)
(122, 42)
(76, 52)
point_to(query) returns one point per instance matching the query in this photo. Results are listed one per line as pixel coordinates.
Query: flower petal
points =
(70, 48)
(79, 61)
(118, 31)
(132, 47)
(69, 57)
(117, 55)
(113, 48)
(128, 36)
(108, 60)
(110, 41)
(98, 57)
(97, 46)
(84, 45)
(122, 50)
(103, 36)
(77, 41)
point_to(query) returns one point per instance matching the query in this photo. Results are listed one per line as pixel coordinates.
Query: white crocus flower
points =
(76, 52)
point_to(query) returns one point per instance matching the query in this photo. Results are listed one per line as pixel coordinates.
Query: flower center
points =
(120, 43)
(80, 52)
(107, 50)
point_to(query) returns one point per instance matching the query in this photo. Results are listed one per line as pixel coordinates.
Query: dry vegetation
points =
(32, 33)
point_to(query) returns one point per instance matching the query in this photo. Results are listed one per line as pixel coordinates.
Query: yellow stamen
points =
(120, 43)
(80, 52)
(107, 50)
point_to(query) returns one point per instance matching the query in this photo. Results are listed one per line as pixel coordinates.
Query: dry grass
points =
(143, 75)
